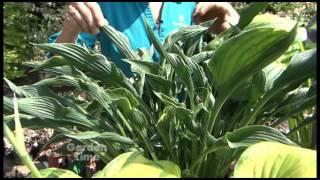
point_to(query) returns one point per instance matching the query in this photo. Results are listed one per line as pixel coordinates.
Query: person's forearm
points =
(67, 36)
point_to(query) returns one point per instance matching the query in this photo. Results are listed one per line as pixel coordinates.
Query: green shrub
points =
(15, 39)
(21, 21)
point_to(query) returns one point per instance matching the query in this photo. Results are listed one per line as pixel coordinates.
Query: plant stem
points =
(216, 109)
(204, 155)
(22, 153)
(149, 148)
(251, 118)
(124, 121)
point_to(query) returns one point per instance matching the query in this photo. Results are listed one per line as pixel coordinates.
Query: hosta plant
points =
(199, 107)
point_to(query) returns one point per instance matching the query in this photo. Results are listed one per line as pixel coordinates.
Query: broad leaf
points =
(249, 135)
(275, 160)
(58, 173)
(133, 164)
(249, 12)
(112, 137)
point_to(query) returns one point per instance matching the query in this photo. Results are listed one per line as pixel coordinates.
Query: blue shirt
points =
(128, 19)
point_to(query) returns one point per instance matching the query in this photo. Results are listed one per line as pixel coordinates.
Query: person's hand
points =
(83, 17)
(223, 11)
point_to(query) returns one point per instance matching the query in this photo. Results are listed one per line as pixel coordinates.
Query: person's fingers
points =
(78, 18)
(86, 15)
(71, 22)
(97, 13)
(198, 13)
(218, 28)
(234, 18)
(196, 9)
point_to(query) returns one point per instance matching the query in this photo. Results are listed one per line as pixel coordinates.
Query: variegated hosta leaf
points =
(165, 126)
(134, 165)
(120, 40)
(30, 90)
(190, 73)
(40, 89)
(58, 173)
(84, 59)
(62, 80)
(276, 160)
(49, 108)
(159, 47)
(160, 84)
(112, 137)
(168, 100)
(203, 56)
(145, 66)
(58, 70)
(186, 33)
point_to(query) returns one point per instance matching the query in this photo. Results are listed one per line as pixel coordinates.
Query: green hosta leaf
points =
(249, 135)
(301, 67)
(297, 107)
(58, 173)
(249, 12)
(257, 88)
(105, 135)
(270, 21)
(244, 137)
(241, 93)
(246, 52)
(275, 160)
(272, 72)
(295, 99)
(134, 165)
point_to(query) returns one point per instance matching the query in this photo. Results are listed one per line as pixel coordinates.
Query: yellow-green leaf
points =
(276, 160)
